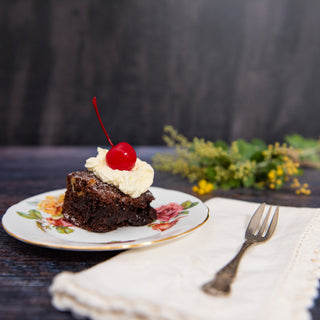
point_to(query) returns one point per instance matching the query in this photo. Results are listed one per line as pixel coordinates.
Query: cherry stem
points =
(94, 102)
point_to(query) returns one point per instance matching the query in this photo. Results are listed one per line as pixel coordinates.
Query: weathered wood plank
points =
(216, 69)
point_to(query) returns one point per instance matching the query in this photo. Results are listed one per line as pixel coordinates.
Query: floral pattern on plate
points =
(168, 215)
(52, 206)
(38, 220)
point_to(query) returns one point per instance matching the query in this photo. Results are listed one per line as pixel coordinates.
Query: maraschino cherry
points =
(121, 156)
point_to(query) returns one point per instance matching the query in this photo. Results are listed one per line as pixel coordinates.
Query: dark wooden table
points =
(26, 271)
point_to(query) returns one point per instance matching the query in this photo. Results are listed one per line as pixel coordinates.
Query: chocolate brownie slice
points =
(100, 207)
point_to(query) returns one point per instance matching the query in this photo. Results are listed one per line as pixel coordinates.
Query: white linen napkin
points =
(275, 280)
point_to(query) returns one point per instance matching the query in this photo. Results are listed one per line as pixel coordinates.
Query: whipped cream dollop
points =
(133, 182)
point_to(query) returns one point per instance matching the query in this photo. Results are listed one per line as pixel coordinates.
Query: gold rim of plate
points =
(101, 247)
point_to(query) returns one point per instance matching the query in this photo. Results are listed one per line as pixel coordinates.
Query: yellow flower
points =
(52, 205)
(305, 191)
(271, 174)
(202, 183)
(195, 188)
(203, 187)
(300, 189)
(295, 184)
(279, 171)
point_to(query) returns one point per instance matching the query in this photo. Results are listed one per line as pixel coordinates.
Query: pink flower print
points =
(168, 211)
(162, 226)
(59, 222)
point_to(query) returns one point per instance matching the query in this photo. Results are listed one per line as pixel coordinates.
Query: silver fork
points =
(221, 284)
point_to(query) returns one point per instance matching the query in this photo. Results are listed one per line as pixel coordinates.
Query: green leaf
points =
(188, 204)
(223, 145)
(297, 141)
(56, 217)
(65, 230)
(257, 156)
(231, 183)
(246, 150)
(205, 162)
(60, 229)
(223, 161)
(30, 215)
(225, 186)
(259, 144)
(308, 148)
(210, 173)
(36, 213)
(248, 181)
(40, 226)
(68, 230)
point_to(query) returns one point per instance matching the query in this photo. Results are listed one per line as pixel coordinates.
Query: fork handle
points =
(221, 284)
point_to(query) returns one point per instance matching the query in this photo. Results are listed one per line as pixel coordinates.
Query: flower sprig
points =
(203, 187)
(241, 164)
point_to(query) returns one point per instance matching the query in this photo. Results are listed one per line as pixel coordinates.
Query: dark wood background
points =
(218, 69)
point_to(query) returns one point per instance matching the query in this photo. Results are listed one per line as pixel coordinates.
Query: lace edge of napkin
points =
(298, 288)
(67, 295)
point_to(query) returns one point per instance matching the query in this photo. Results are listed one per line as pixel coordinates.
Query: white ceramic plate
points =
(26, 221)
